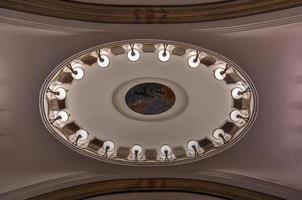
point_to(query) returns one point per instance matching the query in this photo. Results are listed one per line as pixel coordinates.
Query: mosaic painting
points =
(150, 98)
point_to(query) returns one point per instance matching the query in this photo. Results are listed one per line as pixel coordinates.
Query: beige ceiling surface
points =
(209, 104)
(270, 151)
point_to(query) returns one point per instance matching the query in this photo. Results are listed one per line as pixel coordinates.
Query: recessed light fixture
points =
(103, 60)
(193, 146)
(61, 117)
(108, 147)
(194, 60)
(82, 134)
(77, 72)
(166, 152)
(220, 135)
(133, 54)
(220, 73)
(164, 54)
(136, 150)
(237, 93)
(60, 93)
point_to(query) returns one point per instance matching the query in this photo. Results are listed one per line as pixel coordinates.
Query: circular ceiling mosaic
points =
(150, 98)
(148, 102)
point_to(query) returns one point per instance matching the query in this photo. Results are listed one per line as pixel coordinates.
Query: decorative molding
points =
(63, 25)
(261, 186)
(102, 188)
(140, 14)
(251, 26)
(23, 20)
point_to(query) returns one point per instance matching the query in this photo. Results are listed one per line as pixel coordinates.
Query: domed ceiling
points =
(148, 102)
(267, 159)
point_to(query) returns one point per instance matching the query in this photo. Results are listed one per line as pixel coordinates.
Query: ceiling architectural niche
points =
(148, 102)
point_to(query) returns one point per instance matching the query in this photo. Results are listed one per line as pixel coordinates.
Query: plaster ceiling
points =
(96, 103)
(271, 56)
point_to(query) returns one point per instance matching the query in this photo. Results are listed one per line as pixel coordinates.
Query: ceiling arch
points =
(148, 14)
(103, 188)
(149, 2)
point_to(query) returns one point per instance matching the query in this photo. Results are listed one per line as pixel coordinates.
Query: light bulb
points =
(164, 55)
(193, 61)
(63, 116)
(108, 145)
(83, 134)
(235, 115)
(60, 93)
(103, 61)
(219, 74)
(192, 145)
(78, 73)
(133, 55)
(165, 150)
(218, 133)
(237, 93)
(137, 148)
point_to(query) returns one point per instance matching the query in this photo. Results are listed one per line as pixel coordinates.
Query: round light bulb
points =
(165, 149)
(219, 75)
(137, 148)
(191, 145)
(237, 93)
(235, 115)
(217, 134)
(63, 116)
(103, 61)
(61, 93)
(79, 73)
(193, 62)
(83, 134)
(164, 55)
(133, 55)
(108, 144)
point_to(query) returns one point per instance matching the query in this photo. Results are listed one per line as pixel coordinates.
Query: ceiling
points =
(149, 2)
(148, 14)
(267, 47)
(96, 104)
(152, 195)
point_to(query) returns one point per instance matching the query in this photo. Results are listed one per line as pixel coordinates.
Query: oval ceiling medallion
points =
(148, 102)
(150, 98)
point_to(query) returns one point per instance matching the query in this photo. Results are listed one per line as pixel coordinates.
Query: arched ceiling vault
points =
(148, 14)
(103, 188)
(270, 55)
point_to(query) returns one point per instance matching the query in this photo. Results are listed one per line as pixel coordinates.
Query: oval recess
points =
(216, 103)
(119, 94)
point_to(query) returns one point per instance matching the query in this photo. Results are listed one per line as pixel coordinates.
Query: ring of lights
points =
(73, 114)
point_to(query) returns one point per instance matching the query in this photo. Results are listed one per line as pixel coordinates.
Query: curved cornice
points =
(140, 14)
(281, 18)
(102, 188)
(223, 178)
